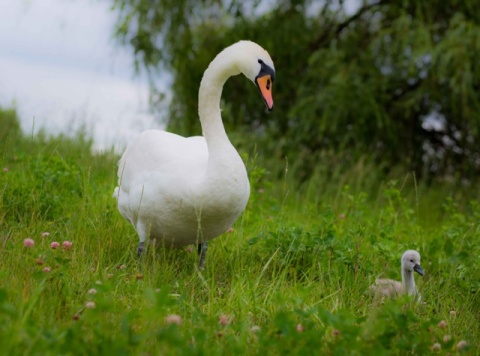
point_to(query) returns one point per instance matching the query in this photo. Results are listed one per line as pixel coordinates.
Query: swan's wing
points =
(162, 155)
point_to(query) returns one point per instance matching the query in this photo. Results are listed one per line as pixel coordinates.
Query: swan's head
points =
(411, 262)
(255, 63)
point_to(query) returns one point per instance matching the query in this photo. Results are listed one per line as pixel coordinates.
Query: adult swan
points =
(187, 190)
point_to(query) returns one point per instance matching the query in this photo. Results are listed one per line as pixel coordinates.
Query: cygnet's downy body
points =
(391, 288)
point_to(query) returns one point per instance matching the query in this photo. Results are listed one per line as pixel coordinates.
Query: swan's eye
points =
(266, 70)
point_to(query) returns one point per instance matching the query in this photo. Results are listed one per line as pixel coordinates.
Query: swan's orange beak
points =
(265, 84)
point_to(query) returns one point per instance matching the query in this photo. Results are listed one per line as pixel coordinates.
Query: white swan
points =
(185, 190)
(390, 288)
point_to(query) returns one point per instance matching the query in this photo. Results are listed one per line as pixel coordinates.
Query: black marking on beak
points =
(418, 269)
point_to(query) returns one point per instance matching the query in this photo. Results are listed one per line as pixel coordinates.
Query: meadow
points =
(291, 277)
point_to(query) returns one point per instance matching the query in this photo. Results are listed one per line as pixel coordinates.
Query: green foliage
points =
(292, 278)
(9, 128)
(52, 179)
(367, 81)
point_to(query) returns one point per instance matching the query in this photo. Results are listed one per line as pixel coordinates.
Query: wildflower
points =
(67, 245)
(28, 242)
(92, 291)
(157, 290)
(230, 230)
(300, 328)
(341, 216)
(436, 346)
(336, 332)
(39, 261)
(98, 283)
(223, 320)
(461, 344)
(453, 313)
(189, 249)
(255, 329)
(90, 305)
(122, 266)
(54, 245)
(110, 275)
(76, 317)
(447, 338)
(45, 234)
(442, 324)
(138, 276)
(173, 319)
(47, 270)
(6, 169)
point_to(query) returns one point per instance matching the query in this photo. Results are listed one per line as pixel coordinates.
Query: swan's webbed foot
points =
(141, 247)
(202, 251)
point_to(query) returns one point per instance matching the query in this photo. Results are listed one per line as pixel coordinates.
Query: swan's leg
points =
(141, 247)
(142, 235)
(202, 251)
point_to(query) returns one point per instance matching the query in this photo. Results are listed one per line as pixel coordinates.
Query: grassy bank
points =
(292, 277)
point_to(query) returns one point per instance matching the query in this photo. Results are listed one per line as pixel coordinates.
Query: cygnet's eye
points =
(411, 261)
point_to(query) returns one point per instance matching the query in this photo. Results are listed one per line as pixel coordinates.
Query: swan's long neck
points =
(408, 282)
(217, 73)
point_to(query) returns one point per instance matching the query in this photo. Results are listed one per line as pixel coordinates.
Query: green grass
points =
(292, 278)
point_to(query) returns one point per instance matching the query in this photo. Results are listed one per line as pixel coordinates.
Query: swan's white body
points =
(185, 190)
(391, 288)
(168, 192)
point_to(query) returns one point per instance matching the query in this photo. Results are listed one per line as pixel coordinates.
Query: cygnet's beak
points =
(418, 269)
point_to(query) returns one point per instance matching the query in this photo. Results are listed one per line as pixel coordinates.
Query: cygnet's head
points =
(411, 262)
